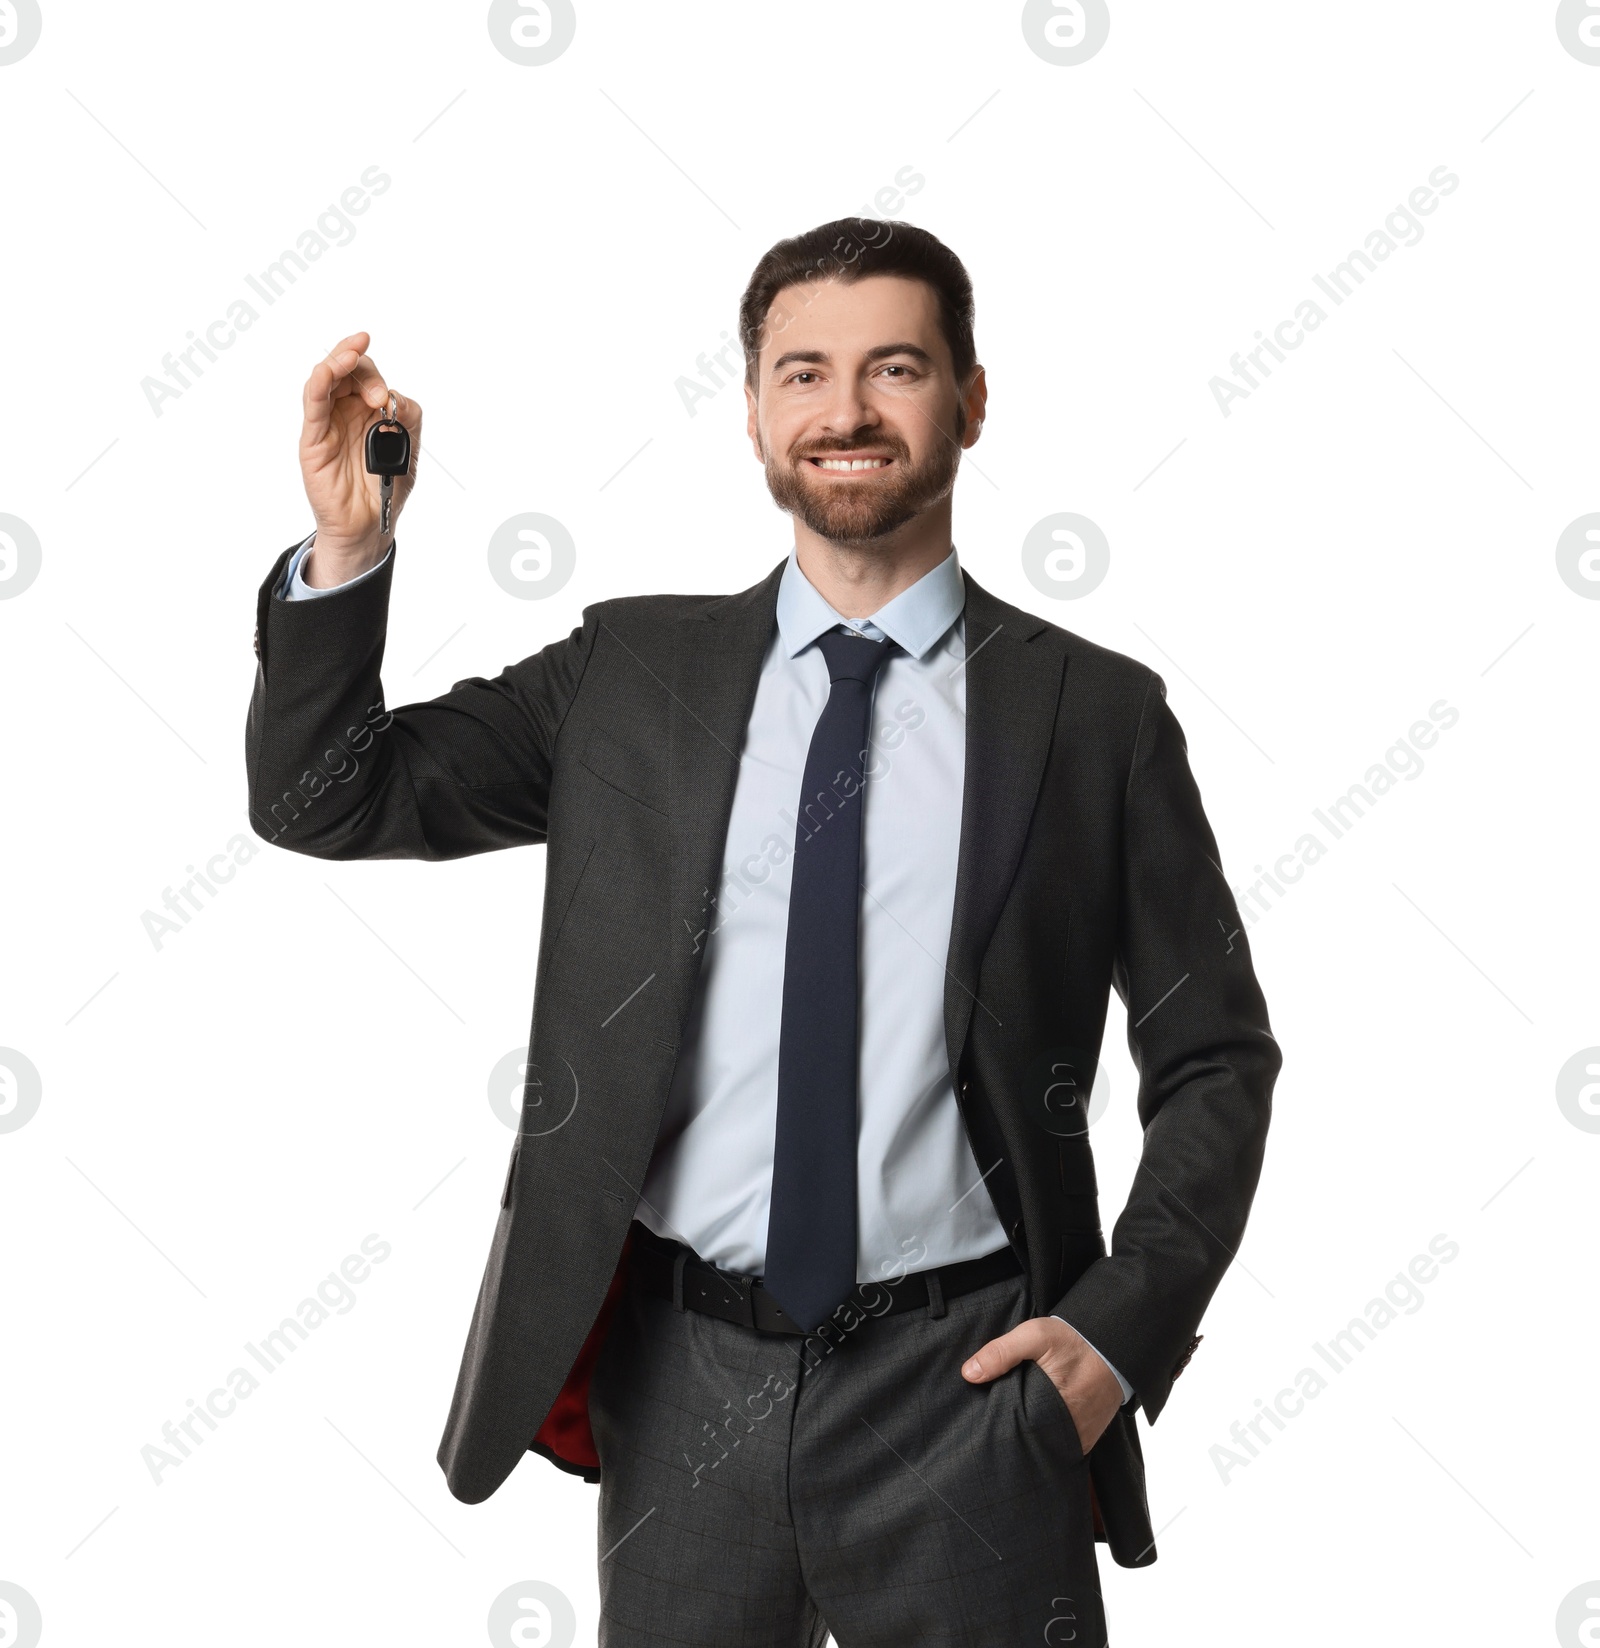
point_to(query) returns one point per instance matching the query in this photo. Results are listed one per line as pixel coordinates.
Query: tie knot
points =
(852, 657)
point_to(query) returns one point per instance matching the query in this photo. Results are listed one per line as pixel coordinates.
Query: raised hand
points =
(342, 397)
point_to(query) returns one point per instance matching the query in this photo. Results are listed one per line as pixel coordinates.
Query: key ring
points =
(393, 405)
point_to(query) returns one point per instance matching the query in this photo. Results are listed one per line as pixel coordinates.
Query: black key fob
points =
(388, 448)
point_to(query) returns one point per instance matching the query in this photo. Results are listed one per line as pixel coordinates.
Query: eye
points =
(906, 374)
(795, 377)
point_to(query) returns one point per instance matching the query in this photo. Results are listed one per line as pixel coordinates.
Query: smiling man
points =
(799, 1253)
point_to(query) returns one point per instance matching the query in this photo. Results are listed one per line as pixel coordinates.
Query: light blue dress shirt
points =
(922, 1199)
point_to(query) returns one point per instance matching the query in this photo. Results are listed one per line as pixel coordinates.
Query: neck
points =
(858, 579)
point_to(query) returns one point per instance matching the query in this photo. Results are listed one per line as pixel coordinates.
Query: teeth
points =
(852, 463)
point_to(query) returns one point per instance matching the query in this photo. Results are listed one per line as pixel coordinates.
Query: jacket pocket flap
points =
(614, 765)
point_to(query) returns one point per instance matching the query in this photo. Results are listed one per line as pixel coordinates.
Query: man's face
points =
(856, 409)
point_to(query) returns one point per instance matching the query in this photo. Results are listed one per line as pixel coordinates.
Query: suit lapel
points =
(716, 664)
(1013, 688)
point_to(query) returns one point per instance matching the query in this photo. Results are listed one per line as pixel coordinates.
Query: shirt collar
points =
(915, 619)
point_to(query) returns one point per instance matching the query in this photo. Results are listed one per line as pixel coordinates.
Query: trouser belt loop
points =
(680, 1259)
(935, 1294)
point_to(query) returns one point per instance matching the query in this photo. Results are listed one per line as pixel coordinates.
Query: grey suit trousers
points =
(761, 1491)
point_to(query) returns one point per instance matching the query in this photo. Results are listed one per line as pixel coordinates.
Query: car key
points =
(388, 455)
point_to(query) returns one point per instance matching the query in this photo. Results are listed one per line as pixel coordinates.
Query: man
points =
(799, 1253)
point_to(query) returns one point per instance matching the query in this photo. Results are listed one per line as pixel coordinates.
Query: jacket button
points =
(1188, 1353)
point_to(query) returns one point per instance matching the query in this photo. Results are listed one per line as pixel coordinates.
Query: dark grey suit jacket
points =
(1086, 863)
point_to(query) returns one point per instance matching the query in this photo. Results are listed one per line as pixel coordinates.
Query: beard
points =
(860, 511)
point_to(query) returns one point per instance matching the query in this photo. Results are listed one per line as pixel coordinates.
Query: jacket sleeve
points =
(1207, 1061)
(334, 773)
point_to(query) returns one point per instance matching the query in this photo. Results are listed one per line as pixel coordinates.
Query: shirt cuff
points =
(293, 587)
(1127, 1389)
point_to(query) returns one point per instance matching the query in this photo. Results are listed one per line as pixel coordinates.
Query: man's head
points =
(858, 350)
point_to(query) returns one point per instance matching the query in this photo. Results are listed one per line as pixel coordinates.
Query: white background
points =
(1373, 530)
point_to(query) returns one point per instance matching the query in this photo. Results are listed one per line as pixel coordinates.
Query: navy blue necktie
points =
(811, 1229)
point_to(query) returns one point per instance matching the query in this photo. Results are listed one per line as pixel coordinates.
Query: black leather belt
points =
(669, 1270)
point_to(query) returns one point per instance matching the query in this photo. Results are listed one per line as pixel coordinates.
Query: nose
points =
(848, 410)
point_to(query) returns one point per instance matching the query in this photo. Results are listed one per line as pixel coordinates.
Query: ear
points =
(752, 424)
(973, 403)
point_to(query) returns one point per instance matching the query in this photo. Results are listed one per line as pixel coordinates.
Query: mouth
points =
(849, 463)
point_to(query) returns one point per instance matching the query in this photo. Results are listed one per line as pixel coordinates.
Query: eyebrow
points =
(820, 357)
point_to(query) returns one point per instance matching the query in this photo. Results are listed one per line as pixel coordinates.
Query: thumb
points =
(1002, 1354)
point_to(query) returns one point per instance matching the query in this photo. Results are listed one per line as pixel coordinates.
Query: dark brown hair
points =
(847, 249)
